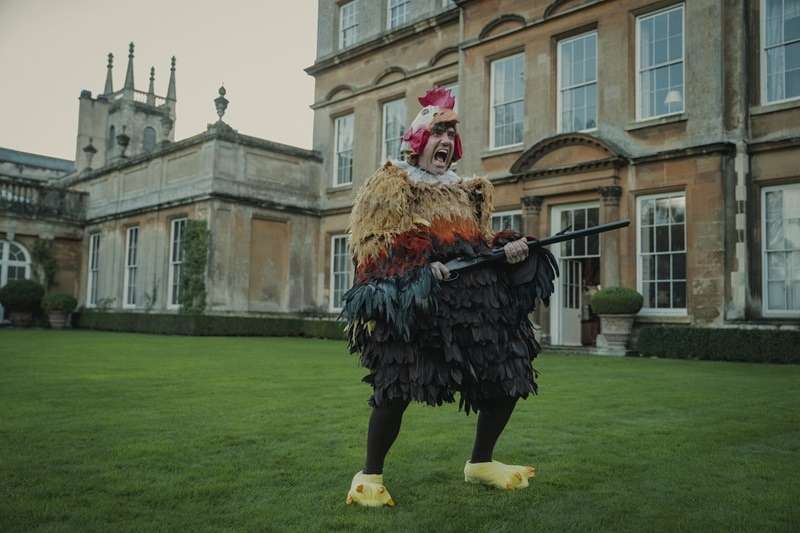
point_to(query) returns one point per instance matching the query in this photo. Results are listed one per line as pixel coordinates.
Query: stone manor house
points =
(683, 116)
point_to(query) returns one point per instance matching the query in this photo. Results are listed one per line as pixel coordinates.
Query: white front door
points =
(579, 262)
(571, 291)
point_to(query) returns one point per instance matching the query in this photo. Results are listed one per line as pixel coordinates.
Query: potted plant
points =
(21, 298)
(616, 307)
(58, 306)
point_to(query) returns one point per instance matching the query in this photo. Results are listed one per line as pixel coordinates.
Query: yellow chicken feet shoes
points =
(498, 475)
(368, 489)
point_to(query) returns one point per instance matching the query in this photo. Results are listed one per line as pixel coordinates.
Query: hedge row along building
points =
(681, 116)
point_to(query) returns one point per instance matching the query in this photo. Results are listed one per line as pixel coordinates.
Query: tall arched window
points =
(111, 142)
(149, 139)
(15, 262)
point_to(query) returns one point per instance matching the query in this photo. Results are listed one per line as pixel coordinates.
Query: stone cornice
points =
(219, 131)
(384, 39)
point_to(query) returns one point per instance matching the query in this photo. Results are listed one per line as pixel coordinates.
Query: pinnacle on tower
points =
(129, 75)
(151, 91)
(109, 85)
(171, 89)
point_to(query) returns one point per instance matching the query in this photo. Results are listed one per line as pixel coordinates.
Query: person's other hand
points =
(516, 251)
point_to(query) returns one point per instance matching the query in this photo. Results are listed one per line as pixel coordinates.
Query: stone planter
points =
(615, 331)
(21, 319)
(58, 319)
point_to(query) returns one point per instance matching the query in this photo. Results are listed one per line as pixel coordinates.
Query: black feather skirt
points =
(473, 339)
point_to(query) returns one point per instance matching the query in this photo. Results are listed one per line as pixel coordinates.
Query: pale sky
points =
(51, 50)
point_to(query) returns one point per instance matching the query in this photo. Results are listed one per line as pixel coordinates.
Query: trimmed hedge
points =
(720, 344)
(204, 325)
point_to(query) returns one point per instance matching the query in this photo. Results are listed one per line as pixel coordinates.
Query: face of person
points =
(438, 153)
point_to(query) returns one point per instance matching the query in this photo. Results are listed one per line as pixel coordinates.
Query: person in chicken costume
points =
(424, 333)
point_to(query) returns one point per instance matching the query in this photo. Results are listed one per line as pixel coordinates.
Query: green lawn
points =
(122, 432)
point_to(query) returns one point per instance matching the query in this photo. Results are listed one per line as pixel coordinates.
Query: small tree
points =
(192, 295)
(44, 262)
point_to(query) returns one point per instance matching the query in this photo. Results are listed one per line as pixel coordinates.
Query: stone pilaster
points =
(609, 241)
(531, 215)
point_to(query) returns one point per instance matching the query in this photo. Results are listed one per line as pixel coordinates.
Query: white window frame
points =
(176, 253)
(499, 218)
(398, 13)
(131, 266)
(348, 24)
(673, 95)
(779, 49)
(589, 246)
(6, 262)
(341, 276)
(789, 252)
(93, 275)
(501, 101)
(344, 131)
(569, 89)
(394, 120)
(669, 227)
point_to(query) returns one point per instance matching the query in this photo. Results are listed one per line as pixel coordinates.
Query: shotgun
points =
(466, 263)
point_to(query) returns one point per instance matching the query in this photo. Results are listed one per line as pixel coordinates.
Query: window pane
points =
(578, 77)
(393, 128)
(344, 150)
(508, 93)
(340, 270)
(662, 258)
(661, 63)
(781, 260)
(348, 21)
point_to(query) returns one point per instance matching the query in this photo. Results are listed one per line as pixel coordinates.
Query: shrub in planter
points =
(616, 301)
(58, 306)
(616, 307)
(21, 298)
(59, 301)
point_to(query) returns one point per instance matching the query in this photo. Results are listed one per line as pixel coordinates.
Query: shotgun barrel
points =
(466, 263)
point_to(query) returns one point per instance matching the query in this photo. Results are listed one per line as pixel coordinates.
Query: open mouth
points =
(441, 155)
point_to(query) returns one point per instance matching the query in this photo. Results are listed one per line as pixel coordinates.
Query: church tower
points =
(124, 123)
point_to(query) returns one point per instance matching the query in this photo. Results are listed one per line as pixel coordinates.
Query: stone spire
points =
(171, 98)
(109, 85)
(151, 91)
(129, 75)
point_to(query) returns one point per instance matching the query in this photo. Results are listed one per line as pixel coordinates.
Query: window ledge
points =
(649, 123)
(339, 188)
(662, 319)
(502, 151)
(774, 108)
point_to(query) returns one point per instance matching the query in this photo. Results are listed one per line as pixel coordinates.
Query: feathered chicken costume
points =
(426, 340)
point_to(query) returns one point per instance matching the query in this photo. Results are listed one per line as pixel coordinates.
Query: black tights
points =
(385, 421)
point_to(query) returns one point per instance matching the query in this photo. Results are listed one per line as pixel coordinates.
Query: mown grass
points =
(123, 432)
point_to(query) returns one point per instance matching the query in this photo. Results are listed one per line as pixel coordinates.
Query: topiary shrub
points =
(59, 301)
(21, 295)
(616, 301)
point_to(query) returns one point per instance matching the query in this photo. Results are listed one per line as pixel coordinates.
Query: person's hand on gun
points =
(516, 251)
